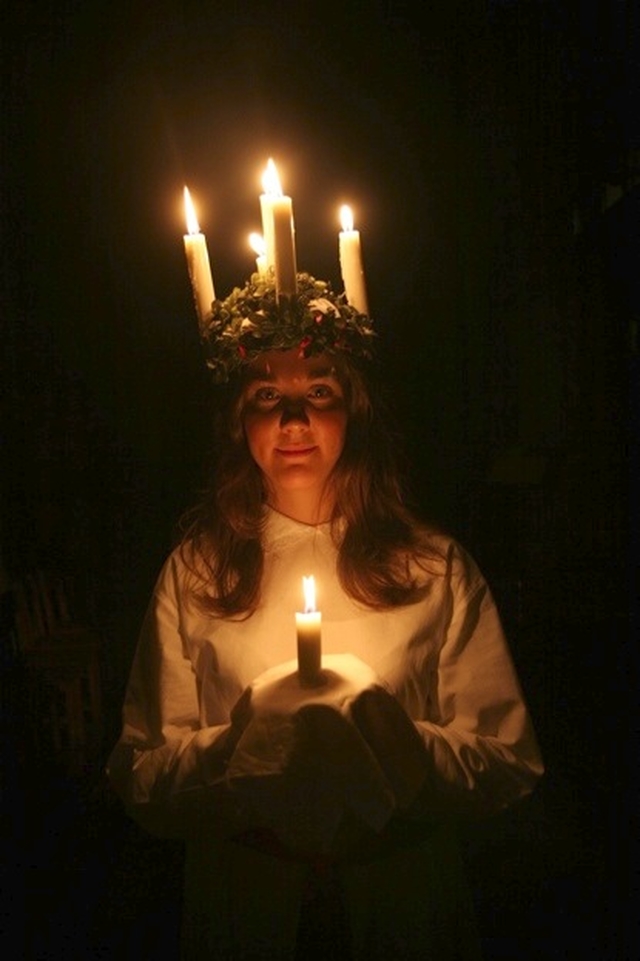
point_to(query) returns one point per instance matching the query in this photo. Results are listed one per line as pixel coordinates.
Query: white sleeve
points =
(479, 734)
(163, 754)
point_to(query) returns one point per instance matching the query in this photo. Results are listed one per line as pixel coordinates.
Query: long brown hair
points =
(377, 534)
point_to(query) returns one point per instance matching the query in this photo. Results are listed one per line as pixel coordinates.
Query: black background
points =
(490, 151)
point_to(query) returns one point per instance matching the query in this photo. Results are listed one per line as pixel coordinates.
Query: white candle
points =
(351, 262)
(195, 247)
(308, 627)
(279, 232)
(257, 242)
(270, 187)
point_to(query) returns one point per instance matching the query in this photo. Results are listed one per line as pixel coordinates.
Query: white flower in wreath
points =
(323, 306)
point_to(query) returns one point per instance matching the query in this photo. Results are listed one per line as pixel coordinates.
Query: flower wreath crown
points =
(253, 319)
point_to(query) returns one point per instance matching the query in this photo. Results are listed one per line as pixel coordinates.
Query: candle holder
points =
(279, 308)
(313, 681)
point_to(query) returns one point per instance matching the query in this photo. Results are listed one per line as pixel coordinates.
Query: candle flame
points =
(309, 588)
(271, 181)
(190, 213)
(258, 244)
(346, 217)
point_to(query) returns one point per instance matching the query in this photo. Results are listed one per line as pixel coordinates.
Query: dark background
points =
(490, 152)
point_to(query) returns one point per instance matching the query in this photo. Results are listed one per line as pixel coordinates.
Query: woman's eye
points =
(321, 392)
(265, 396)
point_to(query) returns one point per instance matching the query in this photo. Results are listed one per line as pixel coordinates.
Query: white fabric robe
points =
(444, 659)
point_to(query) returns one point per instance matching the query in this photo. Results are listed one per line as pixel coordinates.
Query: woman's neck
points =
(300, 507)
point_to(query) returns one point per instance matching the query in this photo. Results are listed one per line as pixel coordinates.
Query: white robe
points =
(445, 661)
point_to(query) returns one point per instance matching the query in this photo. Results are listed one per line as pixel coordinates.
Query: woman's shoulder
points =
(435, 540)
(443, 554)
(183, 562)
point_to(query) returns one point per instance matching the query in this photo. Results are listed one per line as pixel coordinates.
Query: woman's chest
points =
(401, 645)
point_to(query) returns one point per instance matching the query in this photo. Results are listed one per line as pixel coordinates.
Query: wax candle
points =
(195, 246)
(279, 232)
(258, 245)
(308, 627)
(271, 188)
(351, 262)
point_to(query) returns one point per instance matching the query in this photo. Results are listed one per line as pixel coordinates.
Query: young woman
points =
(319, 822)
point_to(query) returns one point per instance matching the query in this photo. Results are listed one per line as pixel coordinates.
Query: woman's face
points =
(295, 422)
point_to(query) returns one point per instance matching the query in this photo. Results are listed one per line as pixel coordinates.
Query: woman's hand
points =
(393, 739)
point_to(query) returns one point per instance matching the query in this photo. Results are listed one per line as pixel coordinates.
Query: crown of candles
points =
(279, 308)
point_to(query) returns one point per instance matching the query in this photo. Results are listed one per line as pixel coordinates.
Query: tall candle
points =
(271, 188)
(258, 245)
(351, 262)
(308, 627)
(195, 247)
(279, 232)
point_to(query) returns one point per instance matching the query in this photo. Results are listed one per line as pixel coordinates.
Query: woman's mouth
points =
(295, 451)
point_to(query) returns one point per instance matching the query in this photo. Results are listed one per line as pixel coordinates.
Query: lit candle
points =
(309, 638)
(271, 187)
(351, 262)
(279, 232)
(195, 246)
(258, 245)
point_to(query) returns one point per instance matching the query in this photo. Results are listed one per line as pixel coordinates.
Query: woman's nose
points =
(293, 411)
